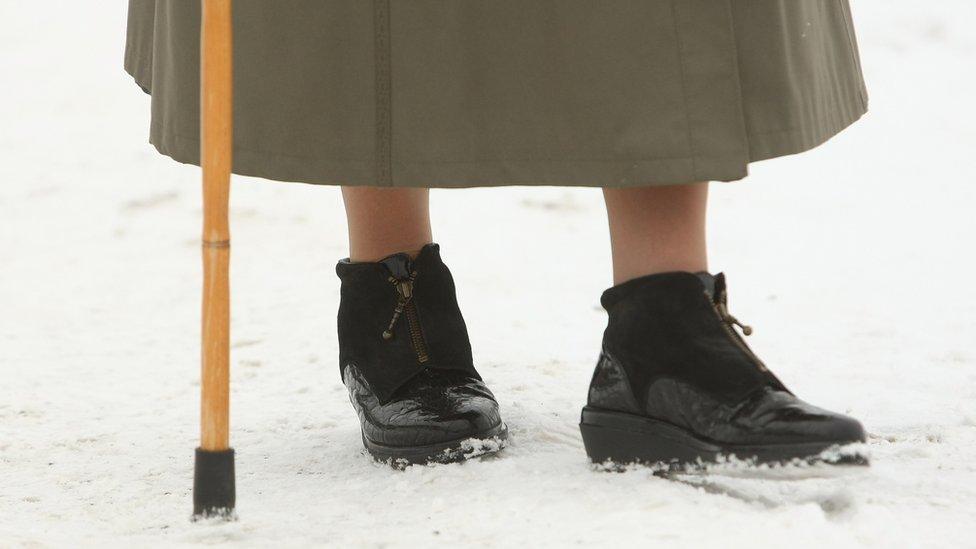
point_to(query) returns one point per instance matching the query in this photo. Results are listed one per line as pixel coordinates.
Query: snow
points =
(853, 262)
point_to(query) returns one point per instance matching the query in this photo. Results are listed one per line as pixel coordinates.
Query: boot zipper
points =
(727, 320)
(406, 305)
(416, 337)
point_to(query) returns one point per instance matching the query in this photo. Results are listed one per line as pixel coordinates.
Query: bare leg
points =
(657, 229)
(383, 221)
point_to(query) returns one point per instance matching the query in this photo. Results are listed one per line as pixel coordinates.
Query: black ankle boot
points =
(675, 383)
(405, 359)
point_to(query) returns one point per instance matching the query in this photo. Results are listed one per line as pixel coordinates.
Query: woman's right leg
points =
(404, 353)
(383, 221)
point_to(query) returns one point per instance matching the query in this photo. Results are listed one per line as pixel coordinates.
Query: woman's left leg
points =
(657, 229)
(675, 381)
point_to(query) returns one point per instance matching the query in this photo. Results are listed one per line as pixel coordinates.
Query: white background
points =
(853, 262)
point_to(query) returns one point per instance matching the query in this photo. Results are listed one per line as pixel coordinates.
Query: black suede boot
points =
(675, 384)
(405, 359)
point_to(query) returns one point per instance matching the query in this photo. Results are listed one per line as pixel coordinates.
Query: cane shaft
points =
(216, 109)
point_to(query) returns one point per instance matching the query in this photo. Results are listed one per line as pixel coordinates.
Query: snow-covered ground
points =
(853, 262)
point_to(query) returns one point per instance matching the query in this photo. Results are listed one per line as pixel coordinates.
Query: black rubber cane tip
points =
(213, 484)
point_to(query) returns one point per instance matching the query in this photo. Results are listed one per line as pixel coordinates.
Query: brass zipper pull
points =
(404, 290)
(388, 333)
(406, 305)
(720, 306)
(723, 311)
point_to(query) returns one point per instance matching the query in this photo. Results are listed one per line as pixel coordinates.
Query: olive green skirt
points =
(465, 93)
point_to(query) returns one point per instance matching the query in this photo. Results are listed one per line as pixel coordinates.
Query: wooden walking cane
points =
(213, 478)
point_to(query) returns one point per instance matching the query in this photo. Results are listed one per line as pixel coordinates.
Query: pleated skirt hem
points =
(567, 172)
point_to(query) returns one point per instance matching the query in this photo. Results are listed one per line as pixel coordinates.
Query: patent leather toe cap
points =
(773, 416)
(767, 416)
(434, 407)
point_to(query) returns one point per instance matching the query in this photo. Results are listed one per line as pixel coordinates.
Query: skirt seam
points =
(684, 89)
(384, 130)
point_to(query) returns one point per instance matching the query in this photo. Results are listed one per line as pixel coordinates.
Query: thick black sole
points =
(621, 438)
(486, 442)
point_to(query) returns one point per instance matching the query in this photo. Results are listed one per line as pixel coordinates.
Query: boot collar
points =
(701, 281)
(398, 265)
